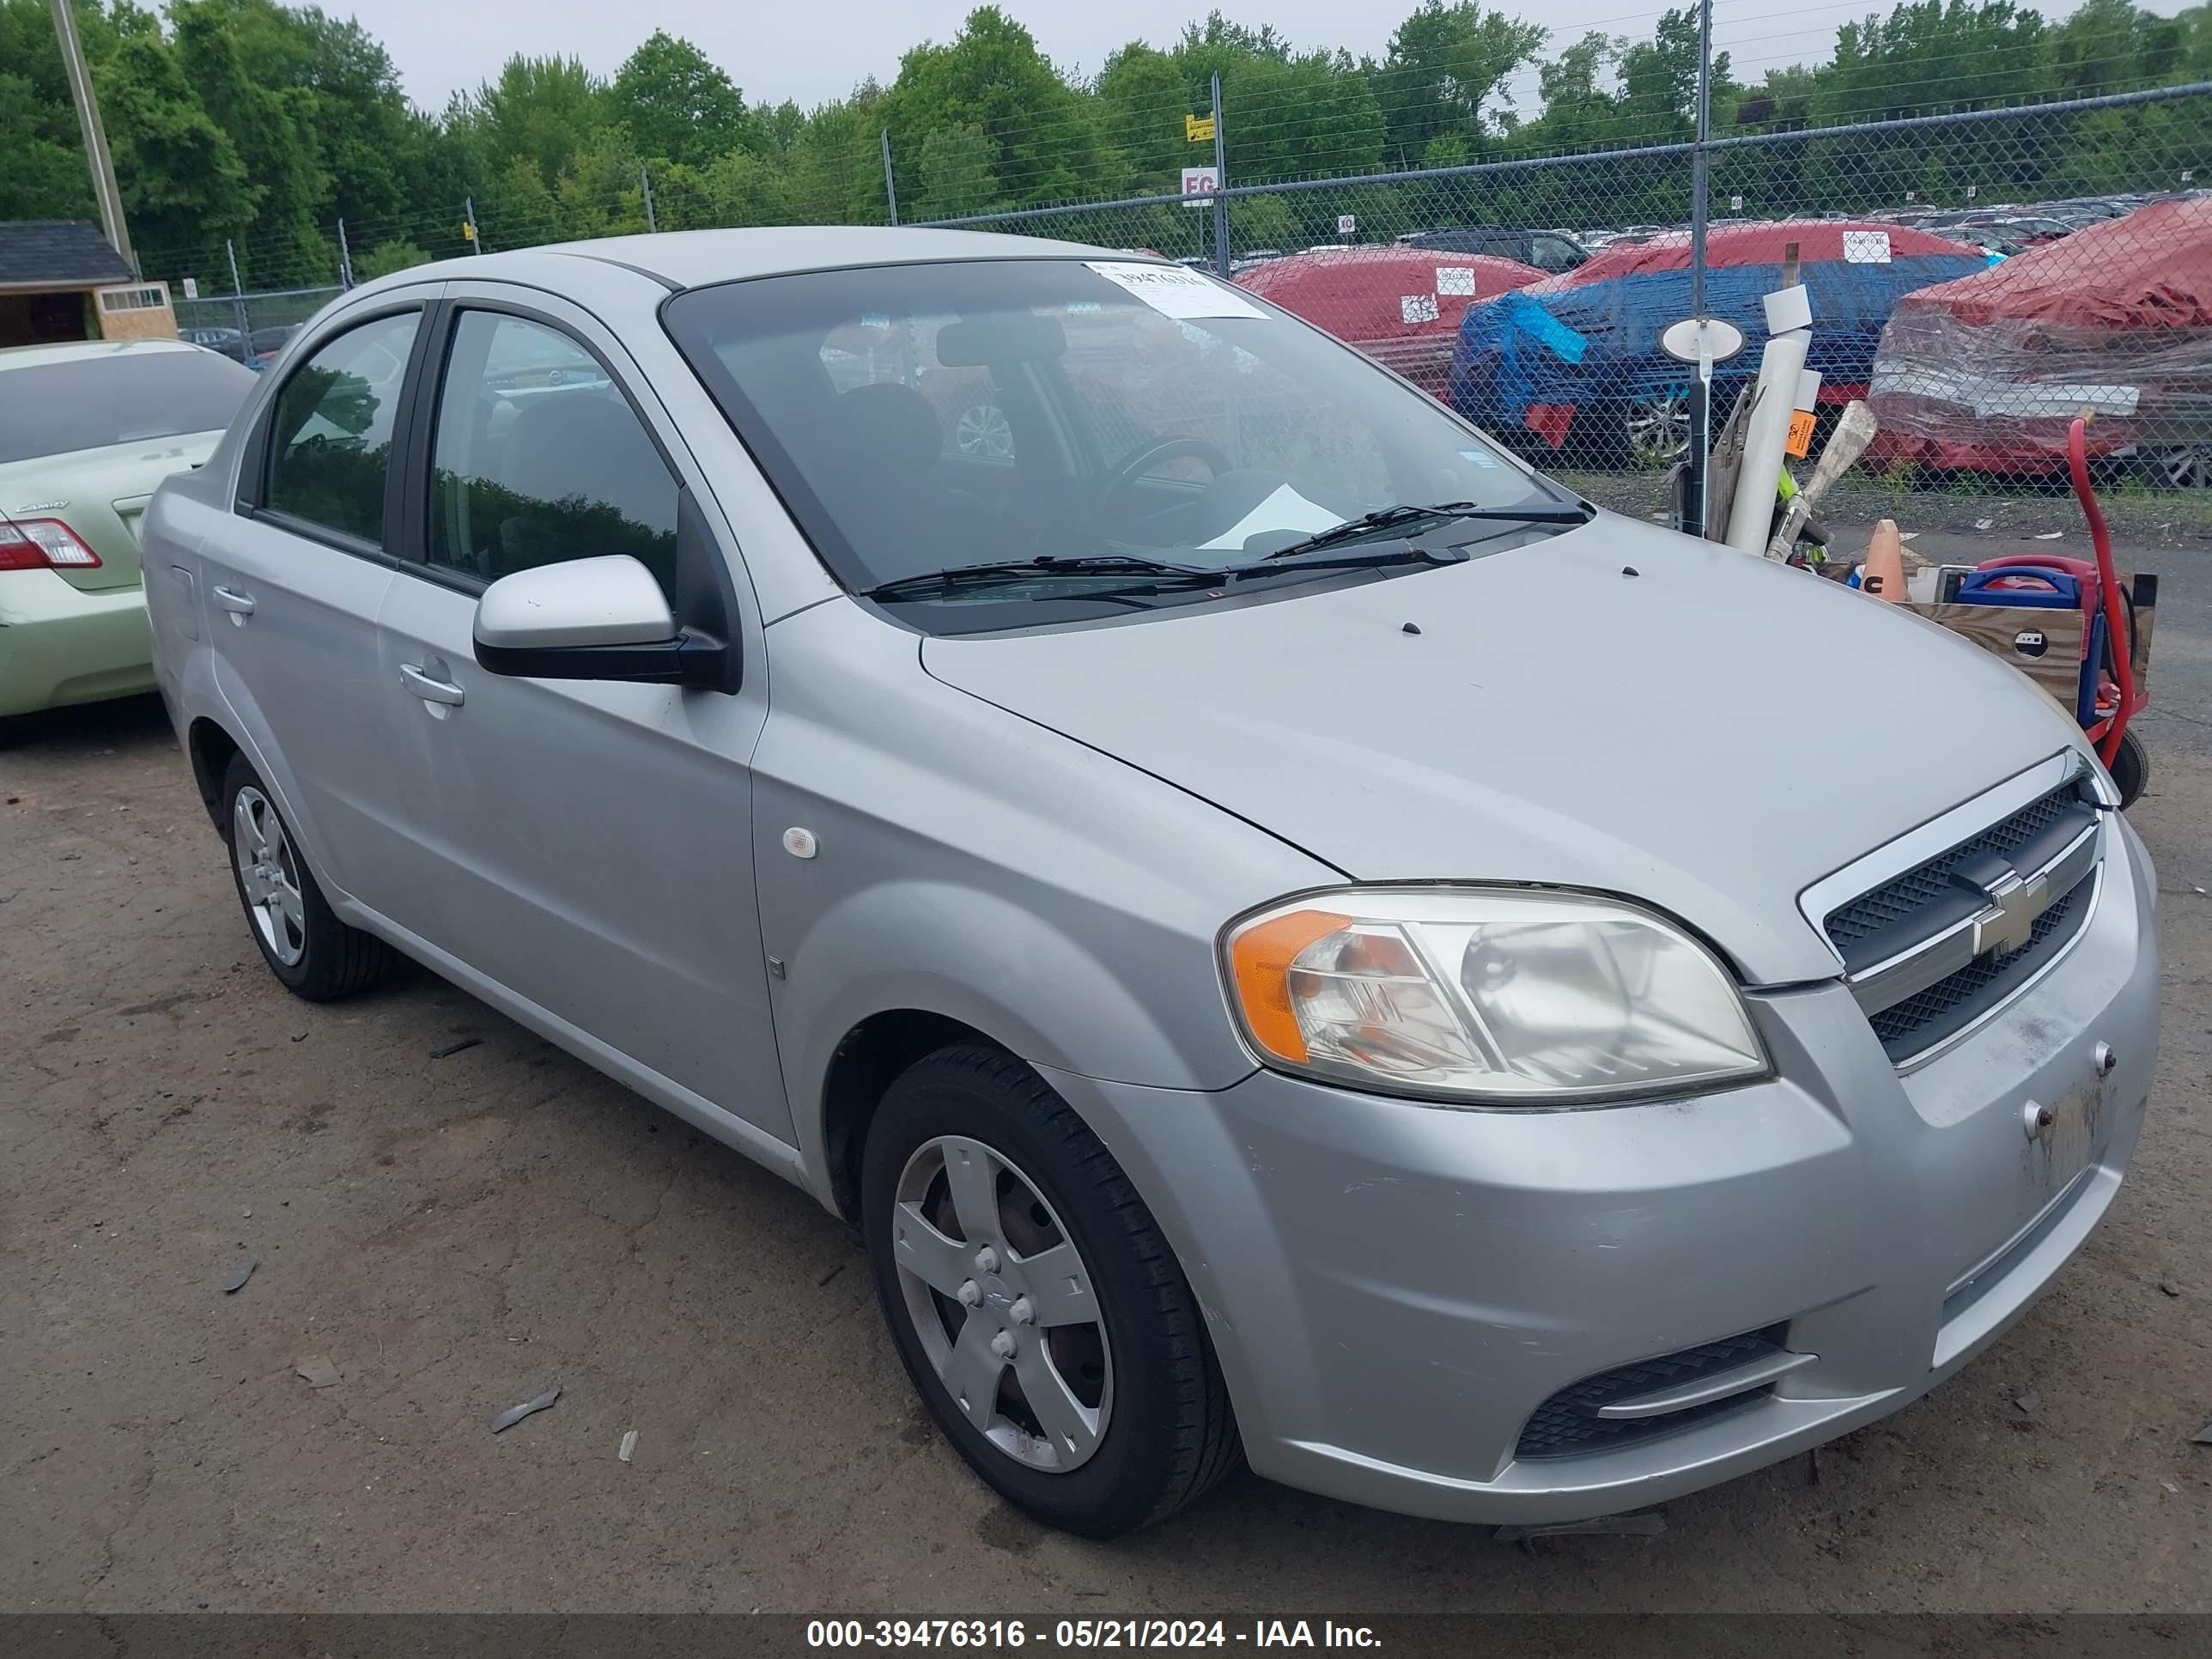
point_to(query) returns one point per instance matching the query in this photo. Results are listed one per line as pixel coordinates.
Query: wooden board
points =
(1999, 629)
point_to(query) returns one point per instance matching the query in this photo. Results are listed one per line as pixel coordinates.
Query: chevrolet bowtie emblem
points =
(2014, 904)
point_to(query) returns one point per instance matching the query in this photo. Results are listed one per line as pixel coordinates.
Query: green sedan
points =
(88, 430)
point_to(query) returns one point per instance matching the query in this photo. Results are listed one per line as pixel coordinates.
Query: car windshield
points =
(134, 396)
(918, 418)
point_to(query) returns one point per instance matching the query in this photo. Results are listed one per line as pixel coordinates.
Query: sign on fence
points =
(192, 288)
(1198, 129)
(1345, 224)
(1199, 185)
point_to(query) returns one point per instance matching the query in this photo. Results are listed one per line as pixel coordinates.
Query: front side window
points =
(918, 418)
(538, 458)
(330, 442)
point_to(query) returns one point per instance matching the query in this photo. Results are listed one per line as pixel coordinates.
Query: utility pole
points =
(237, 293)
(476, 236)
(890, 185)
(1701, 392)
(1220, 180)
(645, 184)
(345, 259)
(95, 134)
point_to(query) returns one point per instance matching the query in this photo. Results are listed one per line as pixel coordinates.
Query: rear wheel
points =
(314, 954)
(1034, 1301)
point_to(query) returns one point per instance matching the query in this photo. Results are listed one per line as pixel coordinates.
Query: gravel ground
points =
(456, 1228)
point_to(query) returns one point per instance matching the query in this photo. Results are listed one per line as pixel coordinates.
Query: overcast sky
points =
(818, 49)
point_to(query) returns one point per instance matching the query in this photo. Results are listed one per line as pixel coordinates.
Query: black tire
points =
(335, 960)
(1170, 1435)
(2130, 768)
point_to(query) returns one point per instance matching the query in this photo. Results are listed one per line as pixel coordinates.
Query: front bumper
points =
(1395, 1289)
(59, 644)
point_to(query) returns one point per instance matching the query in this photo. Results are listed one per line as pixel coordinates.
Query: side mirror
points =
(590, 619)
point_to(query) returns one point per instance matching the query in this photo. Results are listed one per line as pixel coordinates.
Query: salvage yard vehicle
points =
(88, 429)
(1571, 367)
(1249, 992)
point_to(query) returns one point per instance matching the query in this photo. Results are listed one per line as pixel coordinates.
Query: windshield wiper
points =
(994, 572)
(1391, 518)
(1399, 552)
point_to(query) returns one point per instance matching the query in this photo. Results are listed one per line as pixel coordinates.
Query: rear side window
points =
(538, 458)
(331, 445)
(129, 397)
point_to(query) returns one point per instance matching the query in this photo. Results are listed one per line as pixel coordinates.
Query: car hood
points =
(1619, 708)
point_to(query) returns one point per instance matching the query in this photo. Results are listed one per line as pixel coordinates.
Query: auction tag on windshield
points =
(1177, 290)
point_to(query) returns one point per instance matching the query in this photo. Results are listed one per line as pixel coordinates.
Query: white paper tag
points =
(1177, 290)
(1284, 510)
(1417, 307)
(1456, 279)
(1866, 248)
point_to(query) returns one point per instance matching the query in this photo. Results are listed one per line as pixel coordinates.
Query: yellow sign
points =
(1198, 129)
(1800, 441)
(468, 231)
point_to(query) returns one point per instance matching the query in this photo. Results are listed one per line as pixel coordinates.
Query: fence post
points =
(345, 259)
(890, 185)
(1220, 182)
(1701, 389)
(237, 293)
(475, 232)
(645, 184)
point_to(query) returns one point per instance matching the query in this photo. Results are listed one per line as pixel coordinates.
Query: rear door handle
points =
(237, 604)
(429, 690)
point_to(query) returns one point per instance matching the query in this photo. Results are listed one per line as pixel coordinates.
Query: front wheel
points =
(1034, 1301)
(310, 951)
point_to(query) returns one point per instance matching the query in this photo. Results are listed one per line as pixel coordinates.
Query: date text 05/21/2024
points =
(1084, 1633)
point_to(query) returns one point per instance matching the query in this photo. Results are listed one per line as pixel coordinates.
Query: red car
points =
(1401, 306)
(1984, 374)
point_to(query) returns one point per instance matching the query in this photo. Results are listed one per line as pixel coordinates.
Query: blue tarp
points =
(1598, 342)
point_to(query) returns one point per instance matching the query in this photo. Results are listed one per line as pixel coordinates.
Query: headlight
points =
(1495, 996)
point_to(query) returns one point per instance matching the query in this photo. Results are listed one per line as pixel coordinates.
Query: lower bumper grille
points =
(1568, 1425)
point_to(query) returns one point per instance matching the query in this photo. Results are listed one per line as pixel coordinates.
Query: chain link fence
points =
(1977, 278)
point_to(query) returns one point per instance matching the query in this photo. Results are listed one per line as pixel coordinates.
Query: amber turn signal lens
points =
(1259, 959)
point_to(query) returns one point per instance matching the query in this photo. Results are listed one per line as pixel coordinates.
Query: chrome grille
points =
(1913, 895)
(1928, 1016)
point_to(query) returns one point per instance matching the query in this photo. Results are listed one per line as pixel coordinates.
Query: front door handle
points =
(241, 605)
(429, 690)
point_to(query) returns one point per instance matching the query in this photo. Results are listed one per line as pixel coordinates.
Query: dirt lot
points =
(456, 1228)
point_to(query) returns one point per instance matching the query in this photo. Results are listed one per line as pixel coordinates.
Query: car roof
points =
(64, 351)
(694, 258)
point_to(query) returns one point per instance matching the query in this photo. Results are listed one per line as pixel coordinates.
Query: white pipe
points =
(1751, 515)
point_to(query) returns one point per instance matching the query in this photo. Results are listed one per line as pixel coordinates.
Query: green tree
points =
(183, 182)
(954, 171)
(680, 106)
(387, 257)
(1041, 133)
(540, 109)
(1446, 71)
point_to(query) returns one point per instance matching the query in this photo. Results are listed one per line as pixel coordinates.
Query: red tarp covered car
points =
(1401, 306)
(1984, 374)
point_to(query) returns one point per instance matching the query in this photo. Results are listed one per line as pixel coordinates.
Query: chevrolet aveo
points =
(1292, 936)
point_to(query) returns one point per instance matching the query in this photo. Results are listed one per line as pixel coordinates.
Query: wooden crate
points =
(2012, 633)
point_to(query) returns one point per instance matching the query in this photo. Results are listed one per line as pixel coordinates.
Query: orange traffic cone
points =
(1882, 575)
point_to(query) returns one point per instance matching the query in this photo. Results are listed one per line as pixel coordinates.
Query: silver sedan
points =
(1291, 935)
